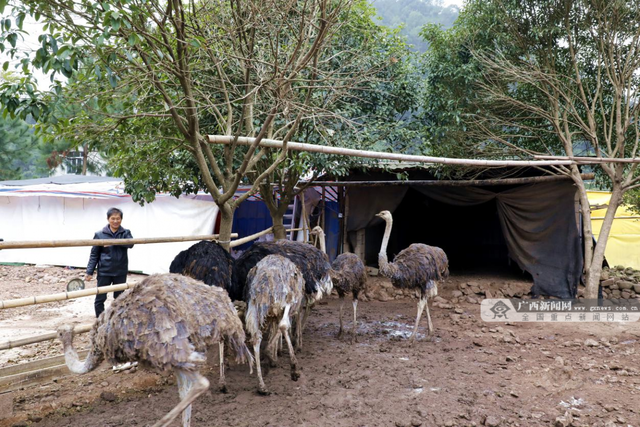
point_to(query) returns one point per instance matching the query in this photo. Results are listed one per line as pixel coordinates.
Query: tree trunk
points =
(226, 222)
(594, 269)
(85, 158)
(279, 232)
(277, 209)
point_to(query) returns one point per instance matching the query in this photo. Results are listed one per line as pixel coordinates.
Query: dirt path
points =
(472, 374)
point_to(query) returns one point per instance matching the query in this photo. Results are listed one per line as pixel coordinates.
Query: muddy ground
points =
(471, 374)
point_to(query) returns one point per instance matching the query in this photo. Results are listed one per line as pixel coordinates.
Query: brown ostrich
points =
(274, 295)
(348, 274)
(166, 323)
(418, 266)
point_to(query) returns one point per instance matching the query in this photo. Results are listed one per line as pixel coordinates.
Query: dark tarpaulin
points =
(538, 222)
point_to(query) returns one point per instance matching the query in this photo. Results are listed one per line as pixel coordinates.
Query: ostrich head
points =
(65, 334)
(386, 215)
(316, 231)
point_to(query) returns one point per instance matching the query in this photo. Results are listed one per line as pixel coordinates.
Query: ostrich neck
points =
(382, 255)
(74, 363)
(323, 245)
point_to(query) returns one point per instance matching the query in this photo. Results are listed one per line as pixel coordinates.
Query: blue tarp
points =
(253, 216)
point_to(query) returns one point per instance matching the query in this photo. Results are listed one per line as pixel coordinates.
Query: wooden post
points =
(346, 247)
(303, 219)
(323, 221)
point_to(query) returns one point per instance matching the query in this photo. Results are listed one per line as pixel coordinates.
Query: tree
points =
(20, 155)
(180, 70)
(548, 76)
(372, 114)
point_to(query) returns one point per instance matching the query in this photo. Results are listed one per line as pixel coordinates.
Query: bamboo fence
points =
(42, 299)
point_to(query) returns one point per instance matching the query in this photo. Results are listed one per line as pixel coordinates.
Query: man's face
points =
(114, 221)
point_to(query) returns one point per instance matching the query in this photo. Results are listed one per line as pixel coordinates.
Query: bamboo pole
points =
(41, 299)
(298, 146)
(244, 240)
(6, 345)
(591, 160)
(104, 242)
(460, 183)
(615, 217)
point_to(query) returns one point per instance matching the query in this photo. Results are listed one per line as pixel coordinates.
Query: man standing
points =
(112, 261)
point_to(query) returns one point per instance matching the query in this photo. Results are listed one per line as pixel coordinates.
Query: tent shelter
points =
(533, 225)
(75, 207)
(623, 246)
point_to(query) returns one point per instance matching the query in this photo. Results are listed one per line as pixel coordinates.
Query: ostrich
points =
(417, 266)
(166, 322)
(209, 262)
(313, 264)
(348, 274)
(274, 294)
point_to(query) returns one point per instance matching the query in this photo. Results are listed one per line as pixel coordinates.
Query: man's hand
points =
(88, 277)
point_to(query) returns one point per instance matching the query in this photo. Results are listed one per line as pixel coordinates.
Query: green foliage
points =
(21, 152)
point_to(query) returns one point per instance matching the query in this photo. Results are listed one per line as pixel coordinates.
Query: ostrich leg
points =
(426, 306)
(262, 389)
(285, 327)
(184, 385)
(354, 337)
(421, 304)
(274, 344)
(222, 382)
(298, 331)
(341, 309)
(191, 385)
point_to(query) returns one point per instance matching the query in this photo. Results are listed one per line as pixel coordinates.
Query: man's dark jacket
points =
(111, 260)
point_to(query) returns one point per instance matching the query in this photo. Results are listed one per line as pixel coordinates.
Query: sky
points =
(458, 3)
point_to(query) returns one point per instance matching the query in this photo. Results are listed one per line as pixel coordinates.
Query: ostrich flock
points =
(167, 321)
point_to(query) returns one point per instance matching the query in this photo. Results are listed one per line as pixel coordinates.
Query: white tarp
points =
(77, 211)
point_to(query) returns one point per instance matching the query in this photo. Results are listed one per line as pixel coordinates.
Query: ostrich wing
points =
(418, 265)
(205, 261)
(165, 318)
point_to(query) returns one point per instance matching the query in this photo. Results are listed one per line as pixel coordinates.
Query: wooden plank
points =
(37, 365)
(14, 382)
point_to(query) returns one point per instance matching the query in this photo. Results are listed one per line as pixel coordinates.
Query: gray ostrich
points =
(348, 274)
(418, 266)
(313, 264)
(274, 295)
(166, 322)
